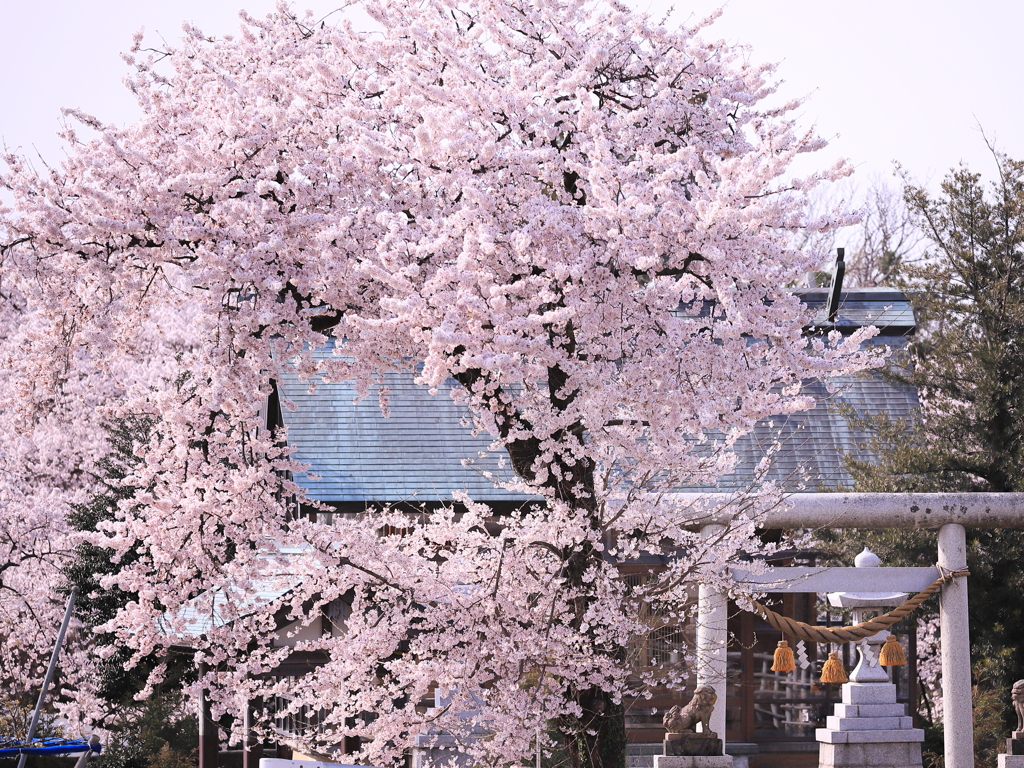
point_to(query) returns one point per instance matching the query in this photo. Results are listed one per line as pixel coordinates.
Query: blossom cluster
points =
(576, 218)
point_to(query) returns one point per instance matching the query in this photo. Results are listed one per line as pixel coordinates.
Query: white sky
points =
(907, 80)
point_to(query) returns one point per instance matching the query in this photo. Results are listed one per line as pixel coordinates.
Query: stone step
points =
(871, 710)
(834, 723)
(826, 736)
(870, 756)
(683, 761)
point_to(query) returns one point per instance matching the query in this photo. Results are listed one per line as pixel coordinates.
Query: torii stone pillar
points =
(957, 706)
(712, 641)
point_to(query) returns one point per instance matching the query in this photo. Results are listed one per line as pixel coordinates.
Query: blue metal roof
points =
(219, 607)
(887, 309)
(811, 444)
(426, 450)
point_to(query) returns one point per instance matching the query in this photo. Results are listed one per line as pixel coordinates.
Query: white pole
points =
(94, 742)
(49, 673)
(957, 707)
(712, 639)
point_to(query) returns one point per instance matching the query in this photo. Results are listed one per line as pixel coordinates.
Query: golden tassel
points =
(784, 661)
(891, 654)
(832, 671)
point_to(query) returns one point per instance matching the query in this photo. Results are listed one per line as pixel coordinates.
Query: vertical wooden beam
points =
(957, 707)
(914, 687)
(253, 745)
(209, 741)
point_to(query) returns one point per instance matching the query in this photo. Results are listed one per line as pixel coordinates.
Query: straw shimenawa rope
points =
(802, 631)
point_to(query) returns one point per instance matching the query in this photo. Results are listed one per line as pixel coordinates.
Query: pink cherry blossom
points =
(576, 218)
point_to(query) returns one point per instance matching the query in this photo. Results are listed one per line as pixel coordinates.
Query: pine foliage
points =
(154, 728)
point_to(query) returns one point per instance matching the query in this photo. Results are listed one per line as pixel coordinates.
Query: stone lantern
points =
(866, 605)
(869, 728)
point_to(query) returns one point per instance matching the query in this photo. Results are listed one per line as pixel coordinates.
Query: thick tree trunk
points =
(598, 738)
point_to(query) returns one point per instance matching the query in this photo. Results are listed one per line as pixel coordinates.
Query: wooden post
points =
(253, 745)
(209, 740)
(957, 707)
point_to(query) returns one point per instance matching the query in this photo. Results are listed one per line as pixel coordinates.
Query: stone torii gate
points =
(948, 513)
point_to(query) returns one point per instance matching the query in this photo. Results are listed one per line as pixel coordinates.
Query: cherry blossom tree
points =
(577, 219)
(44, 453)
(54, 445)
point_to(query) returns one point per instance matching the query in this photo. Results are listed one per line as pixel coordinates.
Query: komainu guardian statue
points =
(685, 719)
(681, 737)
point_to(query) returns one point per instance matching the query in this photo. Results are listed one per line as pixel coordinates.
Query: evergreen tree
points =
(966, 361)
(155, 729)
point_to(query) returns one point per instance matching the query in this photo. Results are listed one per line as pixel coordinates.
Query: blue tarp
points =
(51, 746)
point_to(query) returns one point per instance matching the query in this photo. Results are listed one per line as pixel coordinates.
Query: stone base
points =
(835, 723)
(1015, 746)
(1010, 761)
(693, 761)
(869, 693)
(905, 755)
(869, 729)
(690, 745)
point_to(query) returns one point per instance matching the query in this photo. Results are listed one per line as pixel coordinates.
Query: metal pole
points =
(957, 714)
(49, 672)
(94, 742)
